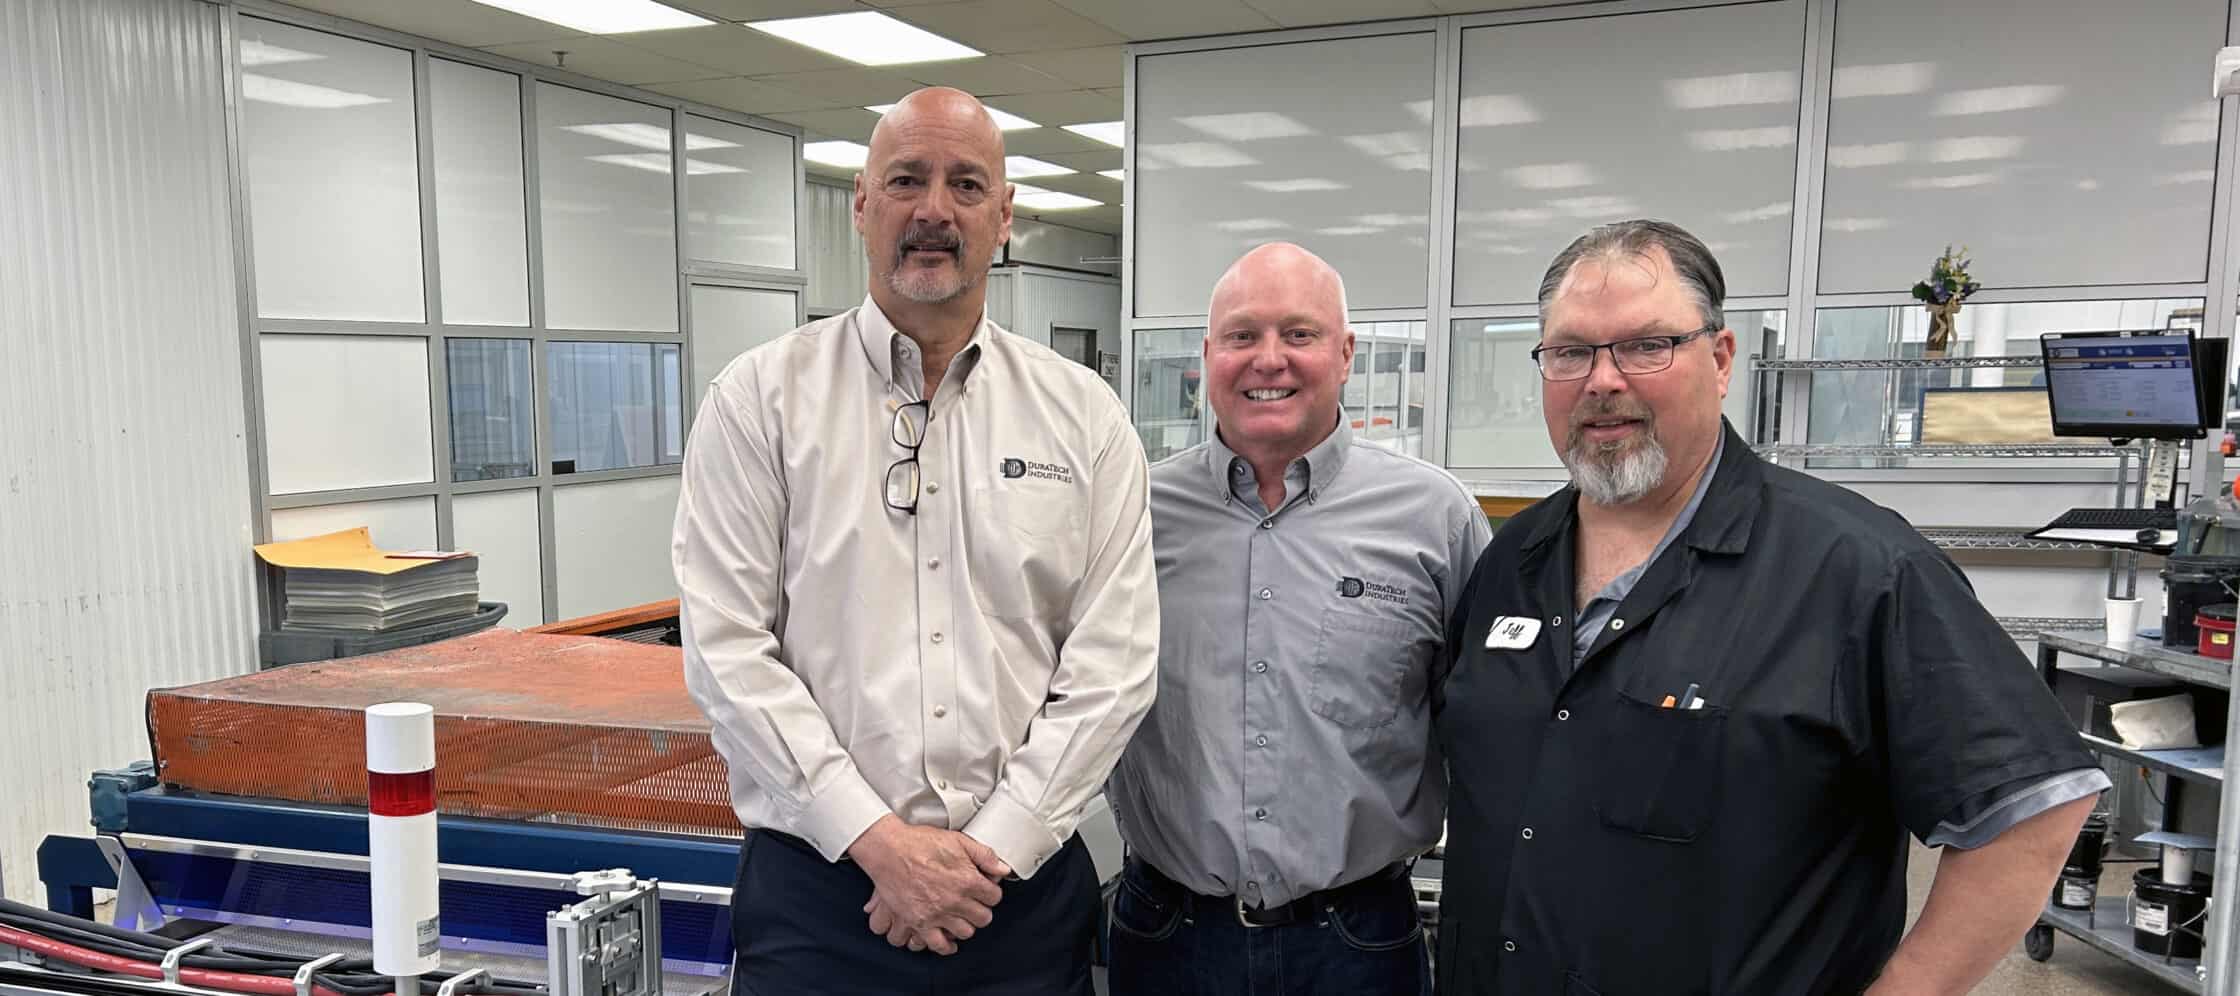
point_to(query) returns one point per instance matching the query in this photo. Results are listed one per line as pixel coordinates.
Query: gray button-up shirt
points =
(1291, 747)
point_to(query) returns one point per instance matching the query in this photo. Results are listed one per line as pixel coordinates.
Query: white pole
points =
(401, 839)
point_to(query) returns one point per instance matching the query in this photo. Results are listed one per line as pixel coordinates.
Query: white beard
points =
(1616, 477)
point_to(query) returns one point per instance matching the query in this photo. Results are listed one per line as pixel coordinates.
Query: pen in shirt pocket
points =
(1686, 700)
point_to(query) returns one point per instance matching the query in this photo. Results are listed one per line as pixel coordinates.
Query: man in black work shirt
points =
(1694, 702)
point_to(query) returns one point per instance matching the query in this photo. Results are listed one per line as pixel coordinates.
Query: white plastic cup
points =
(2123, 621)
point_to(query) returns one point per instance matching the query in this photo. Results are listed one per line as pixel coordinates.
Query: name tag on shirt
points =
(1512, 632)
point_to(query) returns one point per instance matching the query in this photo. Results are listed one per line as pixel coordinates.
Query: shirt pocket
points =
(1032, 563)
(1361, 663)
(1658, 769)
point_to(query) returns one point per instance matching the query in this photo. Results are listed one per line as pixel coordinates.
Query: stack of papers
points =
(340, 581)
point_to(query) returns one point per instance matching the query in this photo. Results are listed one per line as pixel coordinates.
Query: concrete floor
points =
(2075, 969)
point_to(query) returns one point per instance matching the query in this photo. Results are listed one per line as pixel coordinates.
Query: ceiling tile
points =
(472, 25)
(1147, 20)
(1088, 162)
(732, 49)
(983, 77)
(1048, 141)
(743, 95)
(607, 60)
(853, 124)
(1104, 66)
(1300, 13)
(1062, 108)
(764, 10)
(999, 26)
(1473, 6)
(845, 87)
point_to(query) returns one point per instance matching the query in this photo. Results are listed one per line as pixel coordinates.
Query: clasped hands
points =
(932, 887)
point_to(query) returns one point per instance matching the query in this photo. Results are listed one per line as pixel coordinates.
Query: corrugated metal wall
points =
(832, 253)
(124, 480)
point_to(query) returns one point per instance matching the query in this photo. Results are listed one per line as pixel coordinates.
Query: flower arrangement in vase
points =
(1948, 285)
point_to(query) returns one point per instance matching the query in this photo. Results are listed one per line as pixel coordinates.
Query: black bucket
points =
(2091, 846)
(2076, 892)
(2168, 919)
(2188, 583)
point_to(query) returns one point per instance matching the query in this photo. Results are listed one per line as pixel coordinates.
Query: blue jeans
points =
(1167, 941)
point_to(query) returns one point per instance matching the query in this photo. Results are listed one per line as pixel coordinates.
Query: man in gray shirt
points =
(1287, 775)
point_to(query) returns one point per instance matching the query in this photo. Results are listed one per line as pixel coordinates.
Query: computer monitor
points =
(2123, 385)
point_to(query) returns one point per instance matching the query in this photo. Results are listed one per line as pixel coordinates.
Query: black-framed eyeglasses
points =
(909, 432)
(1644, 355)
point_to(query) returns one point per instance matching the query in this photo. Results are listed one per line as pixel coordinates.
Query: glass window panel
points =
(1494, 416)
(327, 139)
(481, 217)
(343, 411)
(608, 210)
(493, 409)
(611, 544)
(394, 523)
(728, 321)
(1388, 365)
(1169, 400)
(501, 528)
(1555, 117)
(1327, 144)
(1875, 407)
(739, 184)
(614, 404)
(2064, 148)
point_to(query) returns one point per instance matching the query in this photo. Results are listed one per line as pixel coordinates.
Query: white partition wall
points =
(474, 287)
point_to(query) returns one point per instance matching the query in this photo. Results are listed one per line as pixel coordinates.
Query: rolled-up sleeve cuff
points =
(2008, 806)
(1015, 833)
(840, 814)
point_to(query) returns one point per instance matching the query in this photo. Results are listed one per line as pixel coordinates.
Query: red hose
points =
(262, 985)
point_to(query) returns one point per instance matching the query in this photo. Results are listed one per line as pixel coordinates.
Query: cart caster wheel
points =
(2038, 943)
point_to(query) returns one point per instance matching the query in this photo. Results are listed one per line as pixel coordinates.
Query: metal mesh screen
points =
(566, 729)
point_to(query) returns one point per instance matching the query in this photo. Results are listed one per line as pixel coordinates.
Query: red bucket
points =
(2216, 625)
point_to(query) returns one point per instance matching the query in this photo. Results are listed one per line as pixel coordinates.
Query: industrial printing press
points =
(580, 812)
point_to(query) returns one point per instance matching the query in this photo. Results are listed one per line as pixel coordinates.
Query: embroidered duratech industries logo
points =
(1357, 588)
(1013, 467)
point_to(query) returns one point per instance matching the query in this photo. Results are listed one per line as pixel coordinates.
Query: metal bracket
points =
(136, 906)
(600, 883)
(304, 974)
(608, 944)
(171, 958)
(451, 985)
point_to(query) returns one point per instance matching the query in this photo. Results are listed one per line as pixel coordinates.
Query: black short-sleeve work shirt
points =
(1853, 690)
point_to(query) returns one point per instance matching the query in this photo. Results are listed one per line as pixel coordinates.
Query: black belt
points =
(1296, 911)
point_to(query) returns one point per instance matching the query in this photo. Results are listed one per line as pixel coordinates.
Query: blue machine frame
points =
(72, 867)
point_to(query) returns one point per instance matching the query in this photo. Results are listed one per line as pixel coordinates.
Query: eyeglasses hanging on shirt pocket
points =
(909, 431)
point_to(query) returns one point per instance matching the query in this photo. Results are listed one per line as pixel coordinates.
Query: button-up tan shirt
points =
(978, 665)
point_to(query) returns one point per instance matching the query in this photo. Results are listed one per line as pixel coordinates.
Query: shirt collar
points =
(889, 350)
(1233, 475)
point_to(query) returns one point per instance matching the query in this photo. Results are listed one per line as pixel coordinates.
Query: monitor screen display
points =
(2122, 384)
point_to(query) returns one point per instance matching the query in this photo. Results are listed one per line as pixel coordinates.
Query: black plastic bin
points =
(303, 646)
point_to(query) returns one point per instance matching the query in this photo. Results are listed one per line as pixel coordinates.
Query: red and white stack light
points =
(401, 837)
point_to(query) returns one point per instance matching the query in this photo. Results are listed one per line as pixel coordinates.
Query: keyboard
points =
(2133, 519)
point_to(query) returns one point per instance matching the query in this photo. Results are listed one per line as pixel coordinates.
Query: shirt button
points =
(1267, 523)
(932, 488)
(933, 562)
(1557, 621)
(943, 785)
(1562, 715)
(1259, 814)
(940, 711)
(1267, 593)
(1259, 667)
(937, 638)
(1261, 740)
(1617, 624)
(1528, 833)
(1509, 946)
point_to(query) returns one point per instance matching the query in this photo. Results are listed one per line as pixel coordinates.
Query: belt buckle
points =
(1241, 917)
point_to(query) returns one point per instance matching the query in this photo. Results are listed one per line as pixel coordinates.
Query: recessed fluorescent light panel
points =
(1116, 174)
(1005, 121)
(845, 155)
(647, 136)
(602, 17)
(867, 38)
(654, 162)
(268, 90)
(1028, 167)
(1037, 199)
(1112, 133)
(257, 53)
